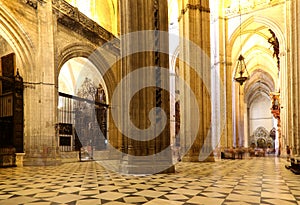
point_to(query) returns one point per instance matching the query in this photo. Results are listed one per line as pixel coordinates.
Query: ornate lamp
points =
(241, 74)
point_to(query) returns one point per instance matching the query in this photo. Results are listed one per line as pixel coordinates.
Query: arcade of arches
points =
(57, 87)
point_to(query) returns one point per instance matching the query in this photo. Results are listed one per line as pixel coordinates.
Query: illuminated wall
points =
(104, 12)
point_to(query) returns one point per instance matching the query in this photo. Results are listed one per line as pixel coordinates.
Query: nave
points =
(259, 180)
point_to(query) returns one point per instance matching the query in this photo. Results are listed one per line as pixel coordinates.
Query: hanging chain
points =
(240, 12)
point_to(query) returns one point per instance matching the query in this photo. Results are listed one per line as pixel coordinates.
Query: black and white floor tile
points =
(248, 181)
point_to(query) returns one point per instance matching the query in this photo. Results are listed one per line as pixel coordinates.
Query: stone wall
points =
(39, 34)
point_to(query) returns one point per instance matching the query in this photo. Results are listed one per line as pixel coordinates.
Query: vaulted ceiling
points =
(245, 35)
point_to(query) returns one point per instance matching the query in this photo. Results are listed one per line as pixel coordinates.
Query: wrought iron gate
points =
(82, 123)
(11, 111)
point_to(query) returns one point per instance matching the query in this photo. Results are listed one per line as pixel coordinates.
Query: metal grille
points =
(79, 122)
(66, 119)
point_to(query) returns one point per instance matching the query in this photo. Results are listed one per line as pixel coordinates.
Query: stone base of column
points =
(169, 170)
(195, 158)
(41, 161)
(146, 166)
(20, 159)
(210, 158)
(110, 153)
(67, 157)
(42, 157)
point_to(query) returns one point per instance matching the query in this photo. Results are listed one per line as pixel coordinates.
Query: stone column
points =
(226, 80)
(228, 83)
(40, 96)
(217, 83)
(139, 156)
(286, 95)
(241, 120)
(236, 113)
(194, 24)
(295, 76)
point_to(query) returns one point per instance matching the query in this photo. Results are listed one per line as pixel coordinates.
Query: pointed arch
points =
(19, 41)
(97, 59)
(266, 23)
(269, 23)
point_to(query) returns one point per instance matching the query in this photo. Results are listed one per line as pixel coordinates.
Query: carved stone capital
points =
(193, 7)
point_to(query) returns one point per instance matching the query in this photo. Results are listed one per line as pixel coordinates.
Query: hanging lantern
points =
(241, 74)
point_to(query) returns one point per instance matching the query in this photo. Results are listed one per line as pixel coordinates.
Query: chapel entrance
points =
(82, 111)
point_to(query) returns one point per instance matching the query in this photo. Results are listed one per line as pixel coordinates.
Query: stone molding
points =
(193, 7)
(19, 159)
(70, 17)
(251, 5)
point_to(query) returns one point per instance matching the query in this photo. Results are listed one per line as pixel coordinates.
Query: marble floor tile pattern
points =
(248, 181)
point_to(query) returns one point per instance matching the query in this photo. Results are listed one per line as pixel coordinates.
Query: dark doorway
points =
(11, 111)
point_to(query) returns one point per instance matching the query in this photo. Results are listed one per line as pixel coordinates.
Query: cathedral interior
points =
(149, 102)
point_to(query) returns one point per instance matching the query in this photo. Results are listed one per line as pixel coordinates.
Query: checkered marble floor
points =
(249, 181)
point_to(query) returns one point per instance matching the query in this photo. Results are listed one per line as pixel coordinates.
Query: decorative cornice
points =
(70, 17)
(193, 7)
(197, 7)
(250, 6)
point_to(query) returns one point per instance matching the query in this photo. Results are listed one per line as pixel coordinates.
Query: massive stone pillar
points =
(227, 67)
(152, 155)
(40, 96)
(240, 112)
(295, 69)
(194, 21)
(217, 82)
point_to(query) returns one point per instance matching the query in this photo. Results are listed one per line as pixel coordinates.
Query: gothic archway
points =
(17, 49)
(82, 108)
